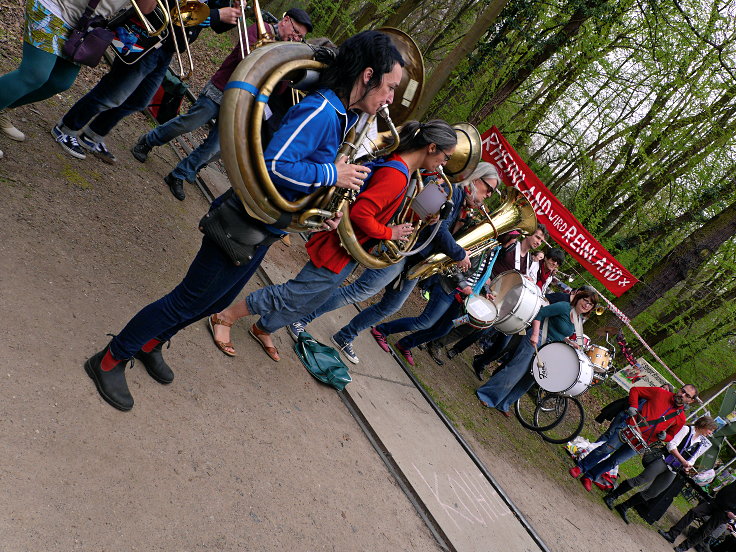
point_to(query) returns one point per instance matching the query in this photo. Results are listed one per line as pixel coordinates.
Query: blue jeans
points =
(201, 112)
(210, 285)
(512, 381)
(283, 304)
(439, 301)
(123, 90)
(616, 424)
(605, 457)
(371, 282)
(40, 76)
(441, 328)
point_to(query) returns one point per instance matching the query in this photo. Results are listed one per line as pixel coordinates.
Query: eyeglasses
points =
(688, 395)
(295, 33)
(588, 302)
(447, 157)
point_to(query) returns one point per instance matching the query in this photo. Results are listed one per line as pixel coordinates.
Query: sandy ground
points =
(237, 454)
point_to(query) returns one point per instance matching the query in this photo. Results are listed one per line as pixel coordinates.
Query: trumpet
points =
(188, 13)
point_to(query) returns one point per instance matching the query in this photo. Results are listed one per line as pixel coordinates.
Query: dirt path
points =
(237, 454)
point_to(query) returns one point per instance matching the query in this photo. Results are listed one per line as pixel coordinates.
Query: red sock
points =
(148, 347)
(108, 362)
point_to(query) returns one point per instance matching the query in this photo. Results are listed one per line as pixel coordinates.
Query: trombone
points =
(150, 31)
(188, 13)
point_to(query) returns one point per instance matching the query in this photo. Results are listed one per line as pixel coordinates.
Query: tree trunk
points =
(442, 72)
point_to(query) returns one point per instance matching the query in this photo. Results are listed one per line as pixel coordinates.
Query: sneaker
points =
(176, 185)
(406, 353)
(68, 143)
(98, 149)
(380, 339)
(346, 348)
(141, 149)
(294, 329)
(434, 352)
(9, 128)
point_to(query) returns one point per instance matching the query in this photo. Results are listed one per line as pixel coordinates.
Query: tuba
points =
(241, 117)
(515, 213)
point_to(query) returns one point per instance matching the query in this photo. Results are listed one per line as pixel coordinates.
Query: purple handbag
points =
(88, 41)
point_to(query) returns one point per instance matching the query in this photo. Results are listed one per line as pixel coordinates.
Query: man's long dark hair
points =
(367, 49)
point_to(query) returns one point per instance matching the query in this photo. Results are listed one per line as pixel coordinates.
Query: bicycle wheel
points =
(527, 405)
(550, 411)
(569, 426)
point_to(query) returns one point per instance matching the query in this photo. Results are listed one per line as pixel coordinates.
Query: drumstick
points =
(539, 359)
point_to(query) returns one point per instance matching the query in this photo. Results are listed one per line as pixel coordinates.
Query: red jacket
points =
(659, 402)
(370, 214)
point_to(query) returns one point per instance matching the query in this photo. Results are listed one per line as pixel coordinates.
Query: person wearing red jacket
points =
(422, 145)
(664, 412)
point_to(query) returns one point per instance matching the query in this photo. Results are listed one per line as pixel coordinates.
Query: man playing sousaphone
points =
(301, 157)
(664, 415)
(370, 215)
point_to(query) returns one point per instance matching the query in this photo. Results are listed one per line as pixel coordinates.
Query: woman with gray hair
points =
(373, 281)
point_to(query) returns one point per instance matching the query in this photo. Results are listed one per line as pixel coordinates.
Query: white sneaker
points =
(8, 128)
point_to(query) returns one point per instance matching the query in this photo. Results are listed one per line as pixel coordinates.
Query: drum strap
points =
(517, 259)
(657, 421)
(577, 321)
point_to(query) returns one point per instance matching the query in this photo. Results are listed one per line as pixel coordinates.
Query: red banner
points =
(563, 227)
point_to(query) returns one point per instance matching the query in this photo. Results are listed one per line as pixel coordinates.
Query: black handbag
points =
(235, 232)
(90, 38)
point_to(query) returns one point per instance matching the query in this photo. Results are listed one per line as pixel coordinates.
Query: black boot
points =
(452, 352)
(434, 352)
(621, 509)
(176, 185)
(632, 502)
(684, 546)
(156, 365)
(478, 367)
(141, 149)
(611, 497)
(669, 536)
(110, 384)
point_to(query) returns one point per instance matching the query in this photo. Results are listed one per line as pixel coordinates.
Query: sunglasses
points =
(688, 395)
(484, 181)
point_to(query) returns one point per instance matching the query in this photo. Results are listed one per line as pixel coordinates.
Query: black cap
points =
(300, 16)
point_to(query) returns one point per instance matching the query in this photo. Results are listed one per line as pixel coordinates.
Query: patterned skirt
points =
(43, 29)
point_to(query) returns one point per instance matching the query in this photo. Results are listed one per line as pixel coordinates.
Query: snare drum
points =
(481, 312)
(633, 437)
(517, 299)
(566, 370)
(600, 358)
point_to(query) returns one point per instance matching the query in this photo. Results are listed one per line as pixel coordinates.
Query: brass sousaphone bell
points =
(241, 118)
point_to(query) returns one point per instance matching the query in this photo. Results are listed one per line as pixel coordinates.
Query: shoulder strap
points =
(657, 421)
(89, 10)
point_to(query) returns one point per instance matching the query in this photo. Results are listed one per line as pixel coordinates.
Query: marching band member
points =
(43, 70)
(300, 157)
(125, 89)
(561, 320)
(421, 145)
(293, 27)
(470, 192)
(664, 412)
(683, 450)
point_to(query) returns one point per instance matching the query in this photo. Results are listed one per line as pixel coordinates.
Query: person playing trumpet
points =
(330, 264)
(294, 26)
(126, 89)
(300, 157)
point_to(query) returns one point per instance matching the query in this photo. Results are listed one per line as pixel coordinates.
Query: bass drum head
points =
(561, 367)
(507, 289)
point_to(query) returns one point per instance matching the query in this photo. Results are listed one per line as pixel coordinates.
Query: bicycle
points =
(557, 418)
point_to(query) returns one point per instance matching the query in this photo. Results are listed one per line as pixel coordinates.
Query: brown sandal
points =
(272, 352)
(213, 321)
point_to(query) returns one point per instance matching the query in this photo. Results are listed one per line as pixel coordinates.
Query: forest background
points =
(625, 110)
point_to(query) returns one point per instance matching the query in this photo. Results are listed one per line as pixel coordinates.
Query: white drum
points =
(518, 301)
(481, 312)
(566, 370)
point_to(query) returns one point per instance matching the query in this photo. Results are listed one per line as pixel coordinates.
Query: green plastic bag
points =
(322, 361)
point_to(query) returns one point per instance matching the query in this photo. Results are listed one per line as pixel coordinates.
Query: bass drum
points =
(517, 299)
(566, 370)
